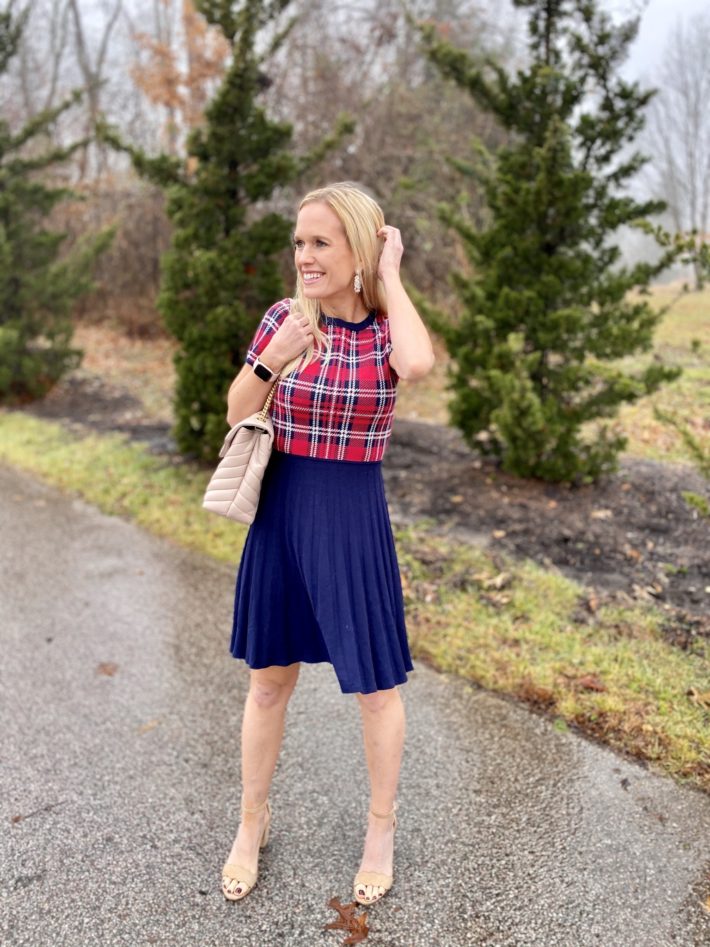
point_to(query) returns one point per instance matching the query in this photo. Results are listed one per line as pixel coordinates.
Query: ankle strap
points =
(254, 808)
(387, 815)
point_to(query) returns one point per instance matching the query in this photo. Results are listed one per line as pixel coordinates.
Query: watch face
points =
(262, 371)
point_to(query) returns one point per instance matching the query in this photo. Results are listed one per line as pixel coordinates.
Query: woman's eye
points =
(297, 244)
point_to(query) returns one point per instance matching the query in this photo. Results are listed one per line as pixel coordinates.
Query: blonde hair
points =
(361, 217)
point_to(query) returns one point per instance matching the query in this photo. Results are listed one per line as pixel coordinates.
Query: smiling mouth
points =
(309, 278)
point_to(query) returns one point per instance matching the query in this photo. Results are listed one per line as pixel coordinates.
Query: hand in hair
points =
(391, 251)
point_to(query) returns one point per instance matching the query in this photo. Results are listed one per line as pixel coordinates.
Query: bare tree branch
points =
(92, 74)
(679, 129)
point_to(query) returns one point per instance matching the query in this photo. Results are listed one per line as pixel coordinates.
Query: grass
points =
(507, 626)
(682, 338)
(515, 629)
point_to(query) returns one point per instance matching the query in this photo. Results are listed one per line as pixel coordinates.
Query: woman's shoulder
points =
(267, 326)
(275, 315)
(279, 309)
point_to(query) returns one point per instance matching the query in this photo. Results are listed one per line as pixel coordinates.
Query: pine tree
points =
(545, 305)
(37, 288)
(221, 271)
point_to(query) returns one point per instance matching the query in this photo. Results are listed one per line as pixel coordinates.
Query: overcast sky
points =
(657, 21)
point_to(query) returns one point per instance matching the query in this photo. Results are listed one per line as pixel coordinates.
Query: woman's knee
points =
(272, 686)
(379, 700)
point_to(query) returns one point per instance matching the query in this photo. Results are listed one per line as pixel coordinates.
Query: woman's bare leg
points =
(383, 722)
(262, 731)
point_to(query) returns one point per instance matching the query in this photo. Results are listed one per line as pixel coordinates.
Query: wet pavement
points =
(119, 779)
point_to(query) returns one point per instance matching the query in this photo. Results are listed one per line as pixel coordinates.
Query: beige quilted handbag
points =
(235, 486)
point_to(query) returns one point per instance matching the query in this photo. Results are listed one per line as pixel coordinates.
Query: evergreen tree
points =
(36, 288)
(221, 271)
(545, 306)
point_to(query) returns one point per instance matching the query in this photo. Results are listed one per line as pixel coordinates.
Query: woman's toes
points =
(370, 892)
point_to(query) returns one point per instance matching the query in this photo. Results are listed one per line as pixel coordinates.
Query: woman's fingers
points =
(294, 335)
(392, 250)
(388, 231)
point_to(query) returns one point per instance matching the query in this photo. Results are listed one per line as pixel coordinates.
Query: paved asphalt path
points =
(119, 791)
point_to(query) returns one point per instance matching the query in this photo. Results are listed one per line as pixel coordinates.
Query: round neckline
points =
(354, 326)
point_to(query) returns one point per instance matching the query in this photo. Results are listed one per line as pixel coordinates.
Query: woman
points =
(318, 578)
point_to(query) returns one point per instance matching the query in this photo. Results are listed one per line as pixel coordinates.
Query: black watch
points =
(263, 371)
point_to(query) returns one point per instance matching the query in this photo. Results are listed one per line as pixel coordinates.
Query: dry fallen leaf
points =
(499, 581)
(702, 700)
(536, 694)
(496, 599)
(349, 920)
(107, 667)
(591, 682)
(346, 912)
(601, 514)
(656, 589)
(359, 932)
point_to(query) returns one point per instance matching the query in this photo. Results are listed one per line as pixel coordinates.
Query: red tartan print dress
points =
(319, 579)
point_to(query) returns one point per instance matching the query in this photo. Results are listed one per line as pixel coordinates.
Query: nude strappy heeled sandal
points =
(375, 878)
(232, 872)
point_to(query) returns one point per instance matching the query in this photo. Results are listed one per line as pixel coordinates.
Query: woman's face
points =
(323, 256)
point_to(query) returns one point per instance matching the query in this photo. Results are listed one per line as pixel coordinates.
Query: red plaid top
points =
(339, 409)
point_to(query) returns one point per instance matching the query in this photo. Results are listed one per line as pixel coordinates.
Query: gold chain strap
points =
(265, 410)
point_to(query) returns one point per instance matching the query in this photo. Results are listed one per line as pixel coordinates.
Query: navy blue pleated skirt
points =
(319, 579)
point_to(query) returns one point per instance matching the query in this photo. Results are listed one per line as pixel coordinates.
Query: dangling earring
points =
(357, 283)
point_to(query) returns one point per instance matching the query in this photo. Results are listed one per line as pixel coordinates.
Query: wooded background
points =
(151, 66)
(510, 159)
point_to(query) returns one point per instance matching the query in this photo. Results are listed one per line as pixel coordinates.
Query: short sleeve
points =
(270, 322)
